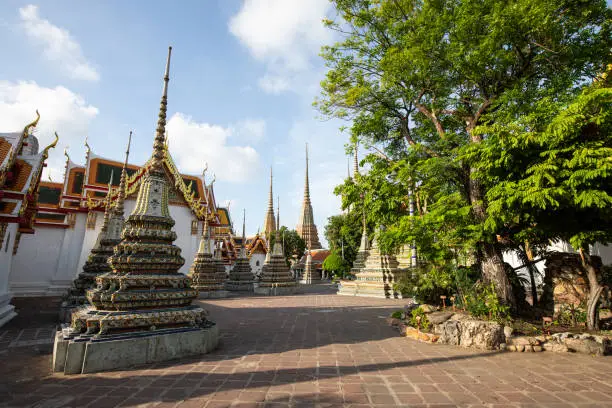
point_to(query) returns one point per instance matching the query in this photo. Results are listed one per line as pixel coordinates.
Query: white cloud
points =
(285, 35)
(249, 130)
(274, 84)
(58, 45)
(60, 110)
(192, 144)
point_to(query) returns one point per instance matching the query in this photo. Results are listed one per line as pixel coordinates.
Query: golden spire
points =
(160, 132)
(270, 221)
(205, 241)
(108, 202)
(306, 181)
(243, 246)
(122, 181)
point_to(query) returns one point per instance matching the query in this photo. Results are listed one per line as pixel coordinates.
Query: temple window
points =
(91, 220)
(194, 227)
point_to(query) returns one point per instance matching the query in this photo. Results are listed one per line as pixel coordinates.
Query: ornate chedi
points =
(310, 274)
(108, 238)
(141, 311)
(377, 277)
(96, 264)
(241, 275)
(276, 278)
(348, 287)
(306, 227)
(204, 272)
(270, 221)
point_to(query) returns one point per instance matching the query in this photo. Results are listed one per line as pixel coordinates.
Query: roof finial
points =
(28, 128)
(160, 132)
(122, 181)
(204, 171)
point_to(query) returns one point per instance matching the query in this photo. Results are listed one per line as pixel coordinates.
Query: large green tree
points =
(552, 175)
(417, 77)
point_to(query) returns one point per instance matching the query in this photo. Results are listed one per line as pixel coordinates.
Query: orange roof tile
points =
(5, 148)
(19, 181)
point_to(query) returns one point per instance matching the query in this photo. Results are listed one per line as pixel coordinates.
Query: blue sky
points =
(243, 78)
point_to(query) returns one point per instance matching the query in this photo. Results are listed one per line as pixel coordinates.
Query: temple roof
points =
(318, 256)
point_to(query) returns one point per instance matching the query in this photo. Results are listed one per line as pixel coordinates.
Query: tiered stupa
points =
(376, 278)
(241, 275)
(141, 311)
(306, 227)
(310, 274)
(204, 273)
(348, 287)
(108, 238)
(276, 278)
(269, 221)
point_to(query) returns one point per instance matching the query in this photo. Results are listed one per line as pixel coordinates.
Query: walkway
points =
(307, 351)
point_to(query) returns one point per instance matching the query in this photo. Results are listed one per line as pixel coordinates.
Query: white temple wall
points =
(184, 239)
(6, 257)
(257, 261)
(36, 261)
(69, 257)
(604, 251)
(89, 239)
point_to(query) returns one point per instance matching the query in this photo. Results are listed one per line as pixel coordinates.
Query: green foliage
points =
(423, 322)
(570, 316)
(334, 263)
(427, 283)
(398, 314)
(441, 89)
(482, 302)
(344, 230)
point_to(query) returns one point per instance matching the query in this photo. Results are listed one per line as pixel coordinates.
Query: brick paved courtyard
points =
(316, 349)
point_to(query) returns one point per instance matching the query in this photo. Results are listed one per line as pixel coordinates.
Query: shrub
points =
(427, 283)
(398, 314)
(424, 323)
(482, 302)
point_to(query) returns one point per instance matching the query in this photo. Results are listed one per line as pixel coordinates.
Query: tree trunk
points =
(492, 261)
(595, 290)
(531, 268)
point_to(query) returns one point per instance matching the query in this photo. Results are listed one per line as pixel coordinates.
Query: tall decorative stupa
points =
(269, 221)
(109, 236)
(141, 311)
(306, 227)
(241, 275)
(204, 274)
(377, 277)
(276, 278)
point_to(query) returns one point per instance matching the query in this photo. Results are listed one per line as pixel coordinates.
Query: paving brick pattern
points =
(313, 350)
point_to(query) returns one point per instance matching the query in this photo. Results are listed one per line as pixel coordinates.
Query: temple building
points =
(306, 227)
(21, 166)
(318, 256)
(70, 217)
(257, 249)
(141, 311)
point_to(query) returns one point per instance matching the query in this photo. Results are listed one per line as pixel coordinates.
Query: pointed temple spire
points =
(107, 209)
(146, 257)
(270, 221)
(306, 227)
(160, 133)
(205, 240)
(243, 246)
(241, 275)
(122, 181)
